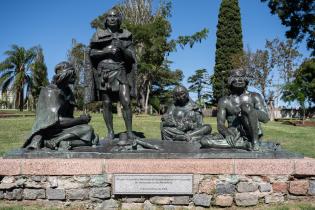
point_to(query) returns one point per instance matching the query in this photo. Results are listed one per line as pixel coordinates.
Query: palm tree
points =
(15, 72)
(39, 74)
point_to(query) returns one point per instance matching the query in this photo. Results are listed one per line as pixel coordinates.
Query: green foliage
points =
(299, 16)
(191, 40)
(76, 56)
(199, 81)
(229, 44)
(284, 56)
(39, 73)
(302, 88)
(15, 72)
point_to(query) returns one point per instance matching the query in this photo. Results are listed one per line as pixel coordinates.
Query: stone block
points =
(147, 205)
(133, 200)
(207, 186)
(33, 184)
(20, 181)
(202, 200)
(295, 197)
(274, 198)
(224, 200)
(230, 178)
(99, 180)
(77, 194)
(7, 186)
(299, 187)
(1, 194)
(279, 178)
(265, 187)
(53, 181)
(161, 200)
(16, 194)
(39, 178)
(9, 167)
(168, 207)
(33, 194)
(281, 187)
(133, 206)
(101, 193)
(181, 200)
(8, 179)
(81, 179)
(257, 178)
(246, 199)
(247, 187)
(55, 194)
(225, 188)
(69, 183)
(311, 190)
(264, 166)
(198, 166)
(61, 166)
(7, 183)
(110, 204)
(305, 166)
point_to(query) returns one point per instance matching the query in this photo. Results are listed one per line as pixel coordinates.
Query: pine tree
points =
(229, 44)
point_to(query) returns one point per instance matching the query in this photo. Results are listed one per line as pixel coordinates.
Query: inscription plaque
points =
(179, 184)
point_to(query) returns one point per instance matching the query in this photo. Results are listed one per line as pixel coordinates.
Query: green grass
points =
(296, 205)
(13, 132)
(15, 111)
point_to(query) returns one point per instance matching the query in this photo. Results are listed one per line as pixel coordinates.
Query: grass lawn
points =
(13, 132)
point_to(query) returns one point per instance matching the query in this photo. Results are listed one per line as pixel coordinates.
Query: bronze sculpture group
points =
(110, 77)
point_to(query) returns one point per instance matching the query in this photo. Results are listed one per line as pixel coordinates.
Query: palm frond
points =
(5, 75)
(6, 64)
(7, 83)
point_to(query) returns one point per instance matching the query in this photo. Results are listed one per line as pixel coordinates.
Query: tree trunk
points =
(303, 116)
(147, 98)
(21, 101)
(17, 99)
(271, 112)
(142, 99)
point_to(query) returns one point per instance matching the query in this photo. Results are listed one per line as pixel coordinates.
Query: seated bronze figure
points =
(243, 111)
(55, 126)
(183, 120)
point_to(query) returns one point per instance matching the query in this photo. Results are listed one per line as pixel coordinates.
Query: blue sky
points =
(53, 24)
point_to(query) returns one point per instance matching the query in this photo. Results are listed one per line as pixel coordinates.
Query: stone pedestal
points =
(216, 182)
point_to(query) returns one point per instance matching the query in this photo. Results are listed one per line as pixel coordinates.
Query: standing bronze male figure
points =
(111, 74)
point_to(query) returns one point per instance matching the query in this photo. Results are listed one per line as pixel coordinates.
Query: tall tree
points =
(76, 56)
(39, 74)
(199, 82)
(284, 55)
(151, 31)
(299, 16)
(259, 66)
(15, 72)
(229, 43)
(302, 88)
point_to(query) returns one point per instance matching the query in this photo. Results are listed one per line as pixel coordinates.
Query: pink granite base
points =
(304, 166)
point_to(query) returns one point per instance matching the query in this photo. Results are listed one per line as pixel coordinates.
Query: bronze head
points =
(180, 95)
(64, 73)
(238, 78)
(113, 18)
